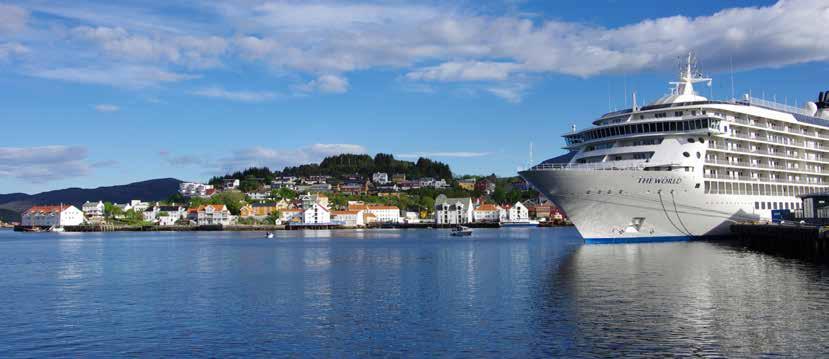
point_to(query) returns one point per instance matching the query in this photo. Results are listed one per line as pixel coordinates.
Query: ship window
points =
(686, 154)
(673, 126)
(701, 140)
(641, 117)
(697, 185)
(698, 124)
(639, 128)
(690, 140)
(756, 205)
(699, 155)
(678, 113)
(762, 205)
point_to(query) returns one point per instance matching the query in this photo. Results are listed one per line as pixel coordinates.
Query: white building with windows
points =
(165, 215)
(193, 189)
(518, 213)
(52, 216)
(382, 213)
(453, 210)
(316, 214)
(93, 209)
(380, 178)
(349, 218)
(211, 214)
(487, 213)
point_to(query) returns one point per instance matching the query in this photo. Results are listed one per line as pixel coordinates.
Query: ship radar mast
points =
(683, 90)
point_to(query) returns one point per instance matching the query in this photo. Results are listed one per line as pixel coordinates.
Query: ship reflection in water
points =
(520, 292)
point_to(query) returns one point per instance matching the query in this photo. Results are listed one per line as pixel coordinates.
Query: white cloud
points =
(12, 49)
(465, 71)
(460, 154)
(241, 96)
(326, 40)
(191, 51)
(326, 83)
(107, 108)
(13, 18)
(129, 76)
(45, 163)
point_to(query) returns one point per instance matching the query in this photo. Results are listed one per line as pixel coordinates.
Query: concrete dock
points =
(789, 240)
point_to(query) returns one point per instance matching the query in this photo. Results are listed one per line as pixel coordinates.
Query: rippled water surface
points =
(503, 292)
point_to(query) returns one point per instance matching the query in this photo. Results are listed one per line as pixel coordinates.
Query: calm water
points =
(505, 293)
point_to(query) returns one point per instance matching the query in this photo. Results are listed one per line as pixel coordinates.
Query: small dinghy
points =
(269, 235)
(461, 231)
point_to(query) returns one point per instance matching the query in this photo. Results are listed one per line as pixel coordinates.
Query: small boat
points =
(461, 231)
(55, 229)
(269, 235)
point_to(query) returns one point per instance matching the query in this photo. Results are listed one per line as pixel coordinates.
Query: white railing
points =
(776, 106)
(584, 167)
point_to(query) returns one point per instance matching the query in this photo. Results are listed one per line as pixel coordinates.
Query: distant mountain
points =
(152, 190)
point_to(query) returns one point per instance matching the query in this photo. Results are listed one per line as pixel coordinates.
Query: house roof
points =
(487, 207)
(442, 199)
(48, 208)
(216, 207)
(347, 212)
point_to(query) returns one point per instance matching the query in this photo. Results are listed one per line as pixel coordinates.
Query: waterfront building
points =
(487, 213)
(230, 183)
(541, 211)
(382, 213)
(353, 188)
(193, 189)
(467, 184)
(211, 214)
(316, 214)
(164, 215)
(258, 210)
(52, 216)
(518, 213)
(453, 210)
(380, 178)
(411, 217)
(349, 218)
(93, 210)
(292, 215)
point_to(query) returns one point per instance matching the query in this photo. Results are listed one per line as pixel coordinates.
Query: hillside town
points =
(306, 201)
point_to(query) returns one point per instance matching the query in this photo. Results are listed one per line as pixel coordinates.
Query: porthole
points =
(701, 140)
(686, 154)
(690, 140)
(699, 155)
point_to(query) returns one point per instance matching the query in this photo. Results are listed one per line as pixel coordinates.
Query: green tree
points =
(233, 200)
(273, 217)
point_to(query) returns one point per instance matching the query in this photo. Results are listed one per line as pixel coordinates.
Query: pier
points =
(793, 240)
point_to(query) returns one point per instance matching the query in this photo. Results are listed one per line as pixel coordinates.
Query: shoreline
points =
(256, 228)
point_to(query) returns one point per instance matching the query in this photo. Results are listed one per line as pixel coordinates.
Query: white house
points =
(309, 200)
(164, 215)
(211, 214)
(518, 213)
(487, 213)
(230, 183)
(316, 214)
(383, 214)
(49, 216)
(93, 209)
(411, 217)
(380, 178)
(453, 210)
(258, 196)
(349, 218)
(193, 189)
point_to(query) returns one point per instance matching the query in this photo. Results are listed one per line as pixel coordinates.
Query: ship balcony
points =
(779, 129)
(766, 153)
(762, 179)
(764, 166)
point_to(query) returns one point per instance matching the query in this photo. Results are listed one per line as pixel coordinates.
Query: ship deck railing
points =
(584, 167)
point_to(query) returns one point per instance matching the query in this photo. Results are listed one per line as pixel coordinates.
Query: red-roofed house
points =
(382, 213)
(487, 213)
(52, 215)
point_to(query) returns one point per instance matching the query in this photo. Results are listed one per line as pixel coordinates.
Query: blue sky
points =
(102, 93)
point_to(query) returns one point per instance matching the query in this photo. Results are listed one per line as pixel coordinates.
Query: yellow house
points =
(258, 210)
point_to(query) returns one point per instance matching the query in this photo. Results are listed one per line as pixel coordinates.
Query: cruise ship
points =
(685, 166)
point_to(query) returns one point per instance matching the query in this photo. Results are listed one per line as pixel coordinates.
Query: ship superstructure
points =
(686, 166)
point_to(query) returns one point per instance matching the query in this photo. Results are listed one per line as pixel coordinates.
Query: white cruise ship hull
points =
(634, 205)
